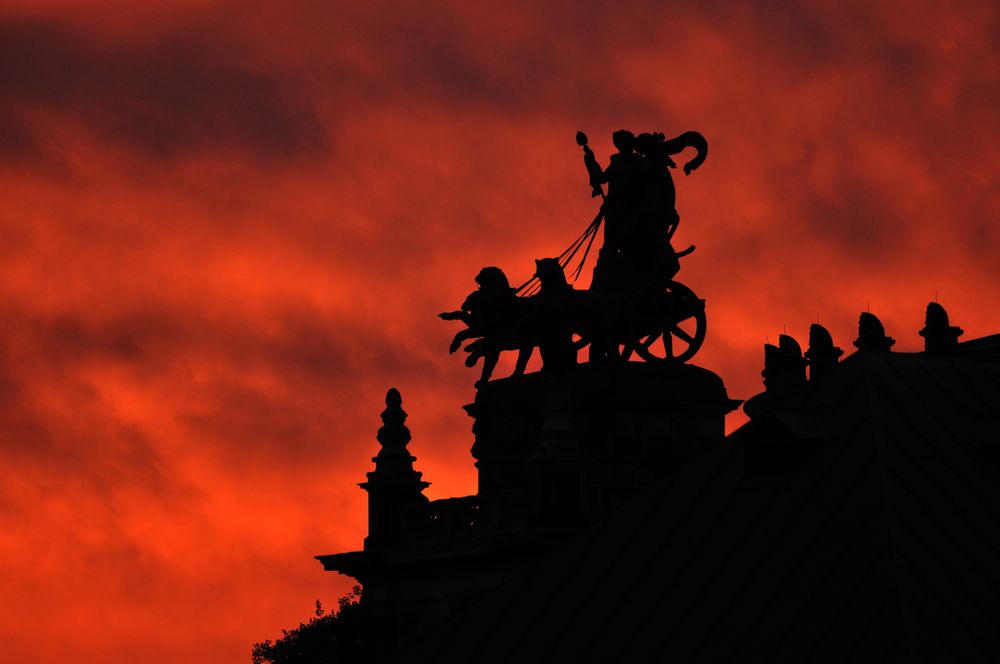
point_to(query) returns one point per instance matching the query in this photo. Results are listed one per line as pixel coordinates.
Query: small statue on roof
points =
(871, 334)
(822, 355)
(784, 365)
(940, 336)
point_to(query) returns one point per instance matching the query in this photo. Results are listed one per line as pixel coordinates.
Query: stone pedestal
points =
(580, 442)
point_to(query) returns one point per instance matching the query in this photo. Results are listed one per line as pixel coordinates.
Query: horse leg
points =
(490, 360)
(476, 349)
(523, 355)
(459, 338)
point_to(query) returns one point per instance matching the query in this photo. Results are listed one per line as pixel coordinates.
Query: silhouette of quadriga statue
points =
(632, 302)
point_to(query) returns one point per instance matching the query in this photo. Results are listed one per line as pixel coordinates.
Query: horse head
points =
(550, 273)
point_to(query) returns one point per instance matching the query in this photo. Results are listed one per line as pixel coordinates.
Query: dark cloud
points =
(169, 97)
(269, 378)
(849, 218)
(449, 57)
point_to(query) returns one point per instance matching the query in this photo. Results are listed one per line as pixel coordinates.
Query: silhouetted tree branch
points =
(332, 638)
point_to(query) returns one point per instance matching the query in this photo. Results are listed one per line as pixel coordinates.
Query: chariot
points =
(648, 314)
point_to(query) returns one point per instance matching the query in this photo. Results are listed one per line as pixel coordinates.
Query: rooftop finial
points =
(394, 483)
(940, 336)
(393, 435)
(822, 354)
(871, 334)
(393, 398)
(783, 364)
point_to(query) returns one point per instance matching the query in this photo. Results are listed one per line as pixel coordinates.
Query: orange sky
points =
(226, 230)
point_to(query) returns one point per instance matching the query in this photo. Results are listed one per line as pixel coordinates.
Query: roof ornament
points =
(822, 355)
(784, 365)
(938, 333)
(871, 334)
(394, 484)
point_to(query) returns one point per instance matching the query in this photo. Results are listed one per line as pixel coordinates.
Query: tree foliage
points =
(331, 638)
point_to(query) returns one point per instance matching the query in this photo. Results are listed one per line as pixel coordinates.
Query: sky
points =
(226, 230)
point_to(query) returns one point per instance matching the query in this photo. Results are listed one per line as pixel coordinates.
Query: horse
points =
(547, 320)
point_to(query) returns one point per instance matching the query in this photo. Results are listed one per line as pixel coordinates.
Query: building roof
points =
(855, 514)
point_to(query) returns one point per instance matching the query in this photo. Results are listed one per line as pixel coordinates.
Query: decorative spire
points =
(393, 436)
(394, 484)
(939, 335)
(784, 365)
(822, 355)
(871, 334)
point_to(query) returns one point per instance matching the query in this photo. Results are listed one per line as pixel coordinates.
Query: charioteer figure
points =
(618, 204)
(619, 177)
(639, 210)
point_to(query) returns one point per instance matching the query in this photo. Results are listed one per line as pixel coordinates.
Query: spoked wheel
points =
(675, 316)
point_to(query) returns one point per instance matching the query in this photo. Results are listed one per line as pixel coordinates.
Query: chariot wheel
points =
(674, 316)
